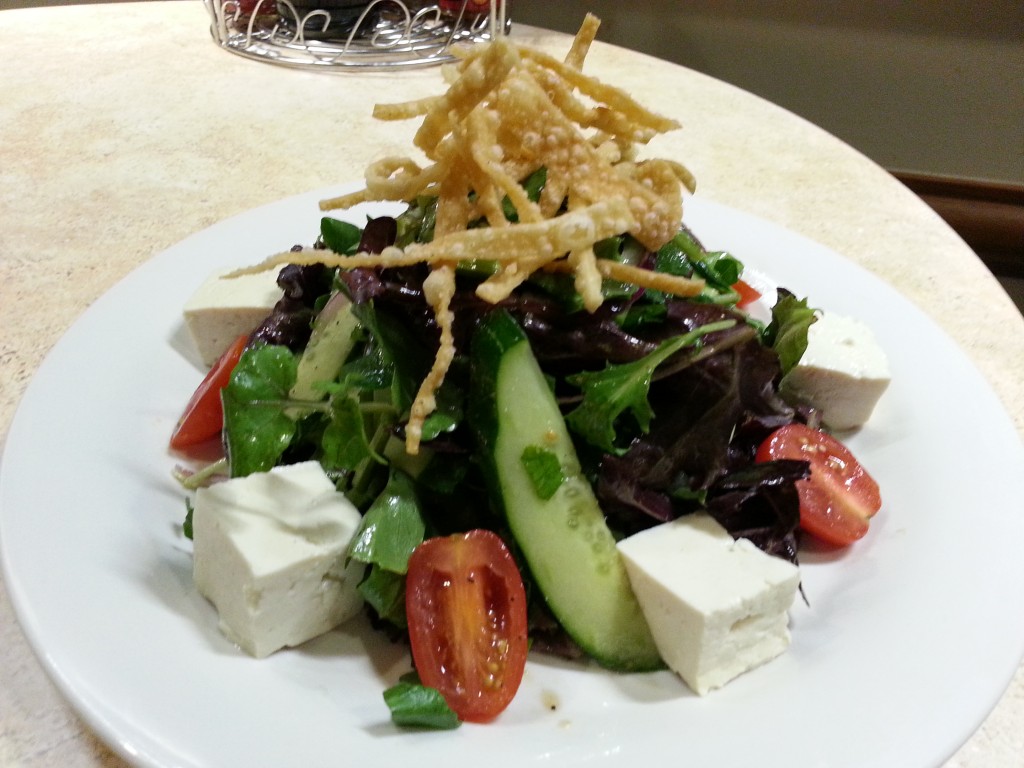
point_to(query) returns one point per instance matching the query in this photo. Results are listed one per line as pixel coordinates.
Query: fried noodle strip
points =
(554, 238)
(585, 37)
(507, 112)
(438, 289)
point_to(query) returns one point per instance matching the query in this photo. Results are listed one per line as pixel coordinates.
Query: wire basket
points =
(377, 34)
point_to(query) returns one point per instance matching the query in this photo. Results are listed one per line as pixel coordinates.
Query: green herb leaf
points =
(340, 236)
(384, 592)
(533, 185)
(408, 360)
(444, 474)
(609, 393)
(344, 442)
(641, 315)
(438, 423)
(416, 223)
(368, 372)
(256, 426)
(543, 469)
(684, 256)
(415, 705)
(186, 527)
(623, 249)
(719, 268)
(391, 528)
(787, 332)
(450, 404)
(677, 256)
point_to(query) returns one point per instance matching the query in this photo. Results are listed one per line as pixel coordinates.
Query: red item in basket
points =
(473, 7)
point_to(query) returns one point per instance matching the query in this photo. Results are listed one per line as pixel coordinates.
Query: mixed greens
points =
(510, 377)
(666, 399)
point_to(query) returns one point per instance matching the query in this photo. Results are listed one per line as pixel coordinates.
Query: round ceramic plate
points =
(905, 643)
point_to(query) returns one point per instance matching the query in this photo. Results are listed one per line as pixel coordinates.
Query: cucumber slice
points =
(564, 539)
(329, 346)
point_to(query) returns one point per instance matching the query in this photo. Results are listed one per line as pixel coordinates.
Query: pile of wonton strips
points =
(509, 111)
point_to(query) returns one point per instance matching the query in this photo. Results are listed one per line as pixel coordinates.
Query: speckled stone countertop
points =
(123, 129)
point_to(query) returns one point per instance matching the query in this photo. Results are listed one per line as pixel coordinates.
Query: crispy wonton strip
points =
(481, 76)
(391, 178)
(638, 276)
(513, 274)
(406, 109)
(438, 289)
(617, 124)
(587, 277)
(571, 231)
(616, 98)
(565, 153)
(487, 154)
(585, 37)
(507, 112)
(454, 207)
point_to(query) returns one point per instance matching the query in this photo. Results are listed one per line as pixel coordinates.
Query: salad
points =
(531, 361)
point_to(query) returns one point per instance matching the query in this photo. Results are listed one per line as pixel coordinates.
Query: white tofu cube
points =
(716, 607)
(223, 309)
(269, 553)
(843, 372)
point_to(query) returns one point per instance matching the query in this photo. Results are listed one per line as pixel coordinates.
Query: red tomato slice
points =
(204, 415)
(748, 294)
(839, 498)
(466, 608)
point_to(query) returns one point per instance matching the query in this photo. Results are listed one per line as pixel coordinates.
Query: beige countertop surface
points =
(124, 128)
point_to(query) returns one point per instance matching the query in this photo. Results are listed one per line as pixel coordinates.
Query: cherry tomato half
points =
(203, 417)
(748, 294)
(839, 498)
(466, 608)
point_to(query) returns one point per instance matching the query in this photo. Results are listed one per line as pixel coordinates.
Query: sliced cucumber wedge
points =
(329, 345)
(564, 539)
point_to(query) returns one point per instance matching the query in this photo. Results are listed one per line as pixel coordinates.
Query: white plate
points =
(908, 641)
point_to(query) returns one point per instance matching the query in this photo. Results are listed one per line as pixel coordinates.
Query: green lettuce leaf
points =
(684, 256)
(256, 427)
(391, 528)
(787, 332)
(415, 705)
(384, 592)
(344, 443)
(609, 393)
(340, 236)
